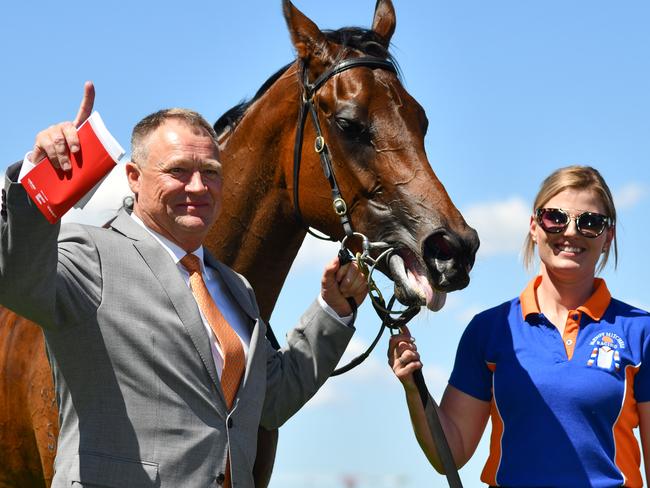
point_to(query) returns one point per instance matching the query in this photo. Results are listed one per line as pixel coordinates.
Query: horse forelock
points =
(349, 39)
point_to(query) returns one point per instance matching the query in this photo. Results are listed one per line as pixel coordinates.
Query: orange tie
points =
(234, 360)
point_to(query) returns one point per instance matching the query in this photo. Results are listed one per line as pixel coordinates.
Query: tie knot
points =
(192, 263)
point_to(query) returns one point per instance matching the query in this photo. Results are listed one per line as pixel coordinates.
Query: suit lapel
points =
(240, 294)
(237, 289)
(167, 274)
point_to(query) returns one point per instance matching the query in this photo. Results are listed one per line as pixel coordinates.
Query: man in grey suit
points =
(136, 363)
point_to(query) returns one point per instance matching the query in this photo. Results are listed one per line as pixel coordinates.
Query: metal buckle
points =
(340, 207)
(319, 144)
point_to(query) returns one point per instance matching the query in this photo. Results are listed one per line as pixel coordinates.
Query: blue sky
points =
(512, 91)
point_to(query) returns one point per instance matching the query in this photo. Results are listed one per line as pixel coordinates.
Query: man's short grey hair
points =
(144, 128)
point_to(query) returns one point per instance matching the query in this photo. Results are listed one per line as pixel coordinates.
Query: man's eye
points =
(177, 171)
(211, 173)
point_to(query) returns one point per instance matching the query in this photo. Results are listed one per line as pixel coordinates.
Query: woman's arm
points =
(462, 416)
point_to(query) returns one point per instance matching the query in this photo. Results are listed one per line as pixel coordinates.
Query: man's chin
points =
(194, 223)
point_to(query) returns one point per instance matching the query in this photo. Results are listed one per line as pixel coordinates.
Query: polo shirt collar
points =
(595, 305)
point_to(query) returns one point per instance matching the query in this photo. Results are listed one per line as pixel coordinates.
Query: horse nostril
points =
(439, 246)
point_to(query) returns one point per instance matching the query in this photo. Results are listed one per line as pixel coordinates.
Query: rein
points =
(364, 260)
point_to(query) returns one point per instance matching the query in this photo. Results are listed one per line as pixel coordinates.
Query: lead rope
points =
(385, 312)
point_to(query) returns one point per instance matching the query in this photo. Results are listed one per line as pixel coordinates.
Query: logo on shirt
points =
(605, 353)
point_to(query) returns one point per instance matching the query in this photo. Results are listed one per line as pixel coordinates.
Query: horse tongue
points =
(435, 299)
(409, 275)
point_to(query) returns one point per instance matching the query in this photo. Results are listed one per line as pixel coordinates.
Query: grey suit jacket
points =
(139, 399)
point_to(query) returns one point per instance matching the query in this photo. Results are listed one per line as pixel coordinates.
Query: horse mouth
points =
(412, 284)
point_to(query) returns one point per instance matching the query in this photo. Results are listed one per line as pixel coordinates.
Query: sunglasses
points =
(556, 220)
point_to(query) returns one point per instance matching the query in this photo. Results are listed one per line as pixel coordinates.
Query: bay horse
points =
(374, 133)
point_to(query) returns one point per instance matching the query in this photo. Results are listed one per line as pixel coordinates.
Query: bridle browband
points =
(307, 105)
(341, 209)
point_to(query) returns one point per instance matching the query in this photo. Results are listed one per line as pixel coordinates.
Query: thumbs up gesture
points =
(59, 140)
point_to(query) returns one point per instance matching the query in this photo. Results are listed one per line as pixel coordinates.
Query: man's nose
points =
(195, 184)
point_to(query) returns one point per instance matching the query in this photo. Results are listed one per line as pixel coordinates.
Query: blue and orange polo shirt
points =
(563, 407)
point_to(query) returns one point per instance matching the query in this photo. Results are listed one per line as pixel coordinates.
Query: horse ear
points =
(383, 24)
(306, 37)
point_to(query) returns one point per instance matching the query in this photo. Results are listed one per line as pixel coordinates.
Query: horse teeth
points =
(397, 267)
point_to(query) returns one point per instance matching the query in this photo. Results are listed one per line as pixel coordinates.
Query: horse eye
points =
(353, 129)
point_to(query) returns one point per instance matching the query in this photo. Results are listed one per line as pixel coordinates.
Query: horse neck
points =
(257, 233)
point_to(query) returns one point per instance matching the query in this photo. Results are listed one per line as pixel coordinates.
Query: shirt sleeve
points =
(471, 374)
(347, 320)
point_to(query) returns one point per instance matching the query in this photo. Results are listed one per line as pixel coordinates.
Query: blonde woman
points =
(562, 371)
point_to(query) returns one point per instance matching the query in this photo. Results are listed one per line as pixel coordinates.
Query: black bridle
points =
(341, 209)
(307, 105)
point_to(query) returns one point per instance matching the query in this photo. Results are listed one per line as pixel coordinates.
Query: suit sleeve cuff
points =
(330, 311)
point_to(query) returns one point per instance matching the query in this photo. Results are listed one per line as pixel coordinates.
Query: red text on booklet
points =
(55, 191)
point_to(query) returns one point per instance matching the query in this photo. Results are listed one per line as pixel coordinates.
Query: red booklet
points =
(54, 191)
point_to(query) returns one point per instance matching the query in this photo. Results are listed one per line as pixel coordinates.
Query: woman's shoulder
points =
(632, 321)
(495, 320)
(620, 310)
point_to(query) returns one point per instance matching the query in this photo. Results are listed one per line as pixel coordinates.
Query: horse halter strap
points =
(307, 105)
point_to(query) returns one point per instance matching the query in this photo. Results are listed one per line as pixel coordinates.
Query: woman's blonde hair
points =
(576, 178)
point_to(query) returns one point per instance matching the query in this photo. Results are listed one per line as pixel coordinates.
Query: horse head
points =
(374, 132)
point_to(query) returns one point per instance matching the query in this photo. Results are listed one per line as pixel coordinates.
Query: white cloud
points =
(374, 370)
(315, 253)
(637, 303)
(468, 313)
(373, 373)
(436, 379)
(501, 225)
(629, 195)
(328, 395)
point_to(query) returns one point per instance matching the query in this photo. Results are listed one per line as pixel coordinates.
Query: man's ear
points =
(133, 175)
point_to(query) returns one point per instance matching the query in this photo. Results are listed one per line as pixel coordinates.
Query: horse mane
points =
(349, 38)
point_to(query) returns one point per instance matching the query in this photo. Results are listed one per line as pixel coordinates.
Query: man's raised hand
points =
(59, 140)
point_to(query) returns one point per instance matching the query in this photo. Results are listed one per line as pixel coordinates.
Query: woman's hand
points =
(403, 357)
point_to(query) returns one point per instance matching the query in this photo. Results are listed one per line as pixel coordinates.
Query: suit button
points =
(220, 478)
(230, 422)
